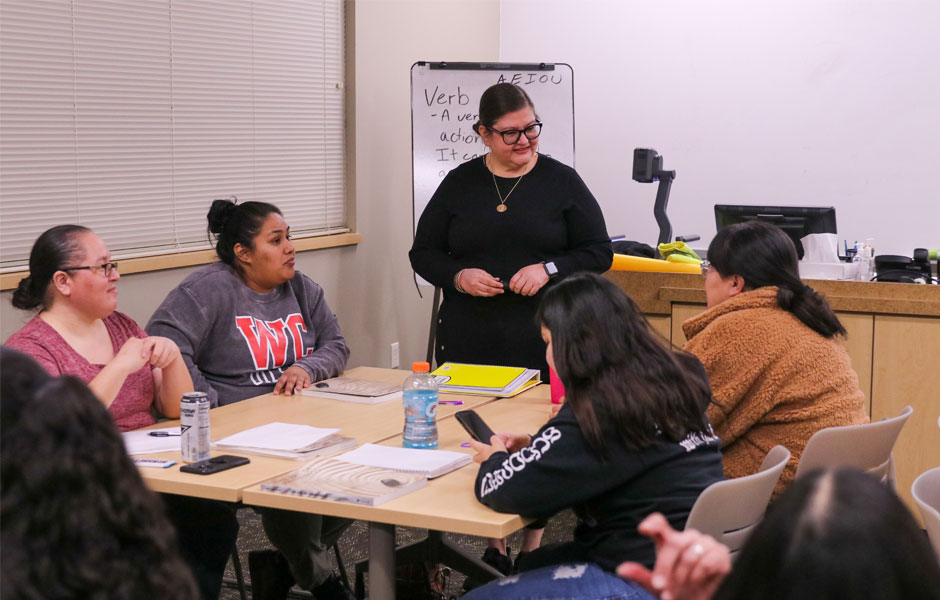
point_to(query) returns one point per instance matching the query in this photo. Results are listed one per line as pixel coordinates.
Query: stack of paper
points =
(330, 479)
(432, 463)
(484, 380)
(141, 442)
(354, 390)
(286, 440)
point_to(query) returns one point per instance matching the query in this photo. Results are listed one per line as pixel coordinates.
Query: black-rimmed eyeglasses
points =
(108, 268)
(511, 136)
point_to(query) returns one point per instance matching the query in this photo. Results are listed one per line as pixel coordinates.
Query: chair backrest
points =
(866, 447)
(728, 510)
(926, 492)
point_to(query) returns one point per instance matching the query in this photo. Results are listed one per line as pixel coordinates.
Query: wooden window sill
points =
(9, 281)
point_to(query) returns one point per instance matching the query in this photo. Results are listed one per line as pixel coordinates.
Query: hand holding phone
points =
(215, 464)
(475, 425)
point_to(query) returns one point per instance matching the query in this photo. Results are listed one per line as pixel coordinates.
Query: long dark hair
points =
(763, 255)
(615, 368)
(236, 224)
(55, 248)
(835, 534)
(498, 100)
(75, 518)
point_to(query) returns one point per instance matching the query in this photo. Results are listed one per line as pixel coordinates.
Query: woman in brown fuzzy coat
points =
(769, 344)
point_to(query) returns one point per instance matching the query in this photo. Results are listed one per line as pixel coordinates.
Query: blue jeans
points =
(584, 581)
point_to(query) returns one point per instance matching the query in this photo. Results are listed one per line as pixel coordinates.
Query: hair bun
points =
(24, 297)
(219, 214)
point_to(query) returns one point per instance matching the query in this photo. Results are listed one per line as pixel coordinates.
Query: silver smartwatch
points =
(550, 269)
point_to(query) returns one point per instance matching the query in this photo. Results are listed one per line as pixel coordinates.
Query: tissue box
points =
(841, 270)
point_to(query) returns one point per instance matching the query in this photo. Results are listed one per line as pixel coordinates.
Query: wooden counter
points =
(893, 341)
(656, 292)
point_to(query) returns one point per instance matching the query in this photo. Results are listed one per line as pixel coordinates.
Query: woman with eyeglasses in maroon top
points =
(78, 331)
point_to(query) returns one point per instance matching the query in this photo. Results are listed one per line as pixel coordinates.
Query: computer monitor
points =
(796, 221)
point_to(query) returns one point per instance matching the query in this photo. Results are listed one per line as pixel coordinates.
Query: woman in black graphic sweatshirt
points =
(631, 439)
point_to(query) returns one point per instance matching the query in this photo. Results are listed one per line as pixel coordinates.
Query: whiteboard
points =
(445, 101)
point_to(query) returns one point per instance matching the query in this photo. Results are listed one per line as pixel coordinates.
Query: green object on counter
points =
(674, 250)
(683, 259)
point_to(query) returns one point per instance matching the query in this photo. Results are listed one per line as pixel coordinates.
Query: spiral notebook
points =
(484, 380)
(350, 389)
(331, 479)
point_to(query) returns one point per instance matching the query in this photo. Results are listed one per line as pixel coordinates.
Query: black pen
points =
(162, 434)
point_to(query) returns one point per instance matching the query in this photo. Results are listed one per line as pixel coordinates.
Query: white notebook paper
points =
(141, 442)
(287, 437)
(433, 463)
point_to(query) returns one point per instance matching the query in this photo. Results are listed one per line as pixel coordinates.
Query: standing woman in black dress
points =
(511, 216)
(496, 232)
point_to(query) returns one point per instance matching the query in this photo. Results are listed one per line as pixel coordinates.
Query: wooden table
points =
(447, 504)
(364, 422)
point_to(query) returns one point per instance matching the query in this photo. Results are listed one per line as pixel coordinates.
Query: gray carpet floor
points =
(354, 547)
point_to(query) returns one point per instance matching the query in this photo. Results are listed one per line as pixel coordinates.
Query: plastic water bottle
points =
(866, 264)
(419, 395)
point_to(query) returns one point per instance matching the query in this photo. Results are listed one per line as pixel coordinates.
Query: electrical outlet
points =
(395, 359)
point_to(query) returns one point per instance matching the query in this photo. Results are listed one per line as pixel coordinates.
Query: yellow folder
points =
(483, 379)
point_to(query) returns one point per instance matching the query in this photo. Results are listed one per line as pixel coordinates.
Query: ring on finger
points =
(698, 550)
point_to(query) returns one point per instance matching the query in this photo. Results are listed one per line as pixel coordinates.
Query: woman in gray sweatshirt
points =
(249, 325)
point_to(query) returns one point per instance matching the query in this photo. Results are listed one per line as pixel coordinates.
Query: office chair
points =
(867, 447)
(729, 510)
(926, 492)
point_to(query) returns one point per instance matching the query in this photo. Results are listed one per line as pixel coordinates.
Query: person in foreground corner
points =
(631, 438)
(496, 233)
(77, 522)
(249, 325)
(770, 346)
(833, 534)
(77, 331)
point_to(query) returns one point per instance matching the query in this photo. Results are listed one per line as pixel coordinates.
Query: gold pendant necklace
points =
(502, 201)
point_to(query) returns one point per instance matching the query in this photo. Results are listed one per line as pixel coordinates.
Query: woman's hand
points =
(293, 380)
(478, 282)
(557, 407)
(484, 451)
(689, 565)
(133, 355)
(514, 441)
(529, 280)
(163, 351)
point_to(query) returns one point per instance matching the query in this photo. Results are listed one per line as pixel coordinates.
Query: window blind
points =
(130, 116)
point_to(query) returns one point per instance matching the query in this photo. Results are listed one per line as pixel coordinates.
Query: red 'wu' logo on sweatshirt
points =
(268, 340)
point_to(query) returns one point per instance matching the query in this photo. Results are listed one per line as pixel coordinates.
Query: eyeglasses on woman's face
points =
(107, 268)
(511, 136)
(705, 266)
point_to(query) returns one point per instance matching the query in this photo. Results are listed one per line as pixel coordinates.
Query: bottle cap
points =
(420, 367)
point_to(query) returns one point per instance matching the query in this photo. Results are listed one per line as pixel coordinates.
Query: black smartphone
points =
(215, 464)
(475, 425)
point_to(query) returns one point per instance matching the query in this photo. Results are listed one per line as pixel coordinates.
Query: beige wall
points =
(370, 286)
(390, 35)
